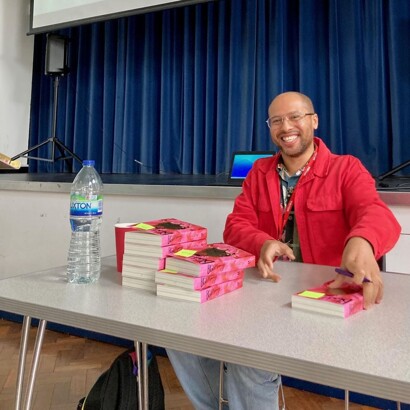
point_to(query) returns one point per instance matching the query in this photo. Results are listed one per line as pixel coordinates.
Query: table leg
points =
(145, 373)
(142, 359)
(22, 360)
(34, 365)
(140, 376)
(346, 399)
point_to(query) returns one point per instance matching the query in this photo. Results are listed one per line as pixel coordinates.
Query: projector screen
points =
(49, 15)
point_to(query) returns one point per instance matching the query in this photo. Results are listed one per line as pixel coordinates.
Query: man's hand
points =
(358, 258)
(270, 251)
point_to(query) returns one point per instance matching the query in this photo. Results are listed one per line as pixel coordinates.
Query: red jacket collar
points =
(322, 163)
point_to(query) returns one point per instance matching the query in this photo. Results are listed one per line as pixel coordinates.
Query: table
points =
(367, 353)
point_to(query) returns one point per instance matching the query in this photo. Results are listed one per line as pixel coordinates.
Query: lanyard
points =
(284, 213)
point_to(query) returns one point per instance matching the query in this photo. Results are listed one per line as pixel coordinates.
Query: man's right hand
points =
(271, 250)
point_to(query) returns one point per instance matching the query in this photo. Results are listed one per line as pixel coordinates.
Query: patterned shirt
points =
(290, 234)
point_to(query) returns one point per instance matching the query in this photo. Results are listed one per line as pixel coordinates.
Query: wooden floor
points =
(70, 365)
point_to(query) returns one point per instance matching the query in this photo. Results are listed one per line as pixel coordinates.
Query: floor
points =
(70, 365)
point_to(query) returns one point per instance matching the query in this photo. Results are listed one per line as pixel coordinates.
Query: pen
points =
(348, 274)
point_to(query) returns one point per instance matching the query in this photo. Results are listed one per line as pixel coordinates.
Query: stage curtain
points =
(177, 91)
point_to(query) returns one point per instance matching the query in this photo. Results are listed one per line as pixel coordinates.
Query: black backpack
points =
(116, 388)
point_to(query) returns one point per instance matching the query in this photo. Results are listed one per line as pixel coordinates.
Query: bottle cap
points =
(88, 162)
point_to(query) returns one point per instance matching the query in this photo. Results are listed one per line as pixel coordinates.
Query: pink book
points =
(182, 280)
(133, 248)
(167, 231)
(344, 301)
(214, 258)
(200, 296)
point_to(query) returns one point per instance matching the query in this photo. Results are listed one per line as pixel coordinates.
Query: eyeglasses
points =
(293, 118)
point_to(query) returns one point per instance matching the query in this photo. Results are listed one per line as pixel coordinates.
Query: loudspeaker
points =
(56, 55)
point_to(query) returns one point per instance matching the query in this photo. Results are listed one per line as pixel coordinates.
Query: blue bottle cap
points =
(88, 162)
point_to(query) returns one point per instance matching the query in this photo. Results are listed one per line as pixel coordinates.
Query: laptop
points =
(241, 164)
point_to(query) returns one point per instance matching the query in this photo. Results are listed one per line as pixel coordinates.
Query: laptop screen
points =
(242, 162)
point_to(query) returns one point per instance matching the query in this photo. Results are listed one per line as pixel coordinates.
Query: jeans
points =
(245, 388)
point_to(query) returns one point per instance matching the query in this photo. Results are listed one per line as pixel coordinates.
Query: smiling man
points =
(310, 205)
(305, 204)
(293, 131)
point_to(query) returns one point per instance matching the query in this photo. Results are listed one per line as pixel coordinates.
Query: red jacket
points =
(334, 202)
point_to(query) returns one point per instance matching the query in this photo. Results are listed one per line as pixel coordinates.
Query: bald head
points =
(290, 97)
(293, 129)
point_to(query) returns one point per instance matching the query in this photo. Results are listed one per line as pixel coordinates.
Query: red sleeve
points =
(369, 217)
(251, 222)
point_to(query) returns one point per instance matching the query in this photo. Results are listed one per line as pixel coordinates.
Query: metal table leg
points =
(34, 365)
(22, 360)
(346, 399)
(139, 378)
(143, 397)
(145, 375)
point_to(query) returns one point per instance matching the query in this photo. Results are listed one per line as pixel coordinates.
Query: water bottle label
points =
(90, 206)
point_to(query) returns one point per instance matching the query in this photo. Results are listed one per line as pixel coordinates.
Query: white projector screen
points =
(48, 15)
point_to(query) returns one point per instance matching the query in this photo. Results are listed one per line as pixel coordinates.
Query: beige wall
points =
(16, 57)
(35, 230)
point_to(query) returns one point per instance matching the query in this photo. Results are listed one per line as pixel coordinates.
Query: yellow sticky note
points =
(146, 227)
(186, 253)
(168, 271)
(312, 295)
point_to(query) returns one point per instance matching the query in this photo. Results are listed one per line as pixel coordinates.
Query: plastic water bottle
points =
(86, 206)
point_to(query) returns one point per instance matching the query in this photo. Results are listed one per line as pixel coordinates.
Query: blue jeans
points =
(245, 388)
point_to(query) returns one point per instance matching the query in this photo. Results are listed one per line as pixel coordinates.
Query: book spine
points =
(203, 282)
(354, 306)
(218, 290)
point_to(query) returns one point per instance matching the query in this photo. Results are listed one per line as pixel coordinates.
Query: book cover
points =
(214, 258)
(343, 302)
(133, 248)
(200, 296)
(174, 278)
(144, 261)
(167, 231)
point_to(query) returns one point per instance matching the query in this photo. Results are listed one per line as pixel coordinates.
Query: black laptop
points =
(242, 162)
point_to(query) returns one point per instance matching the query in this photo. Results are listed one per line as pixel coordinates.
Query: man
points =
(304, 204)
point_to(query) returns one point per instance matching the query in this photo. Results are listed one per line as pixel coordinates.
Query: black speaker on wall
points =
(56, 55)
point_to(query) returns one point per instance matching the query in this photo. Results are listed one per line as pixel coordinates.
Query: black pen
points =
(349, 274)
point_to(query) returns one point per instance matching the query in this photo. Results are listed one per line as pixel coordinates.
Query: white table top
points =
(367, 353)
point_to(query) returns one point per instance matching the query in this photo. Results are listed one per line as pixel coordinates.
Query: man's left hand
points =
(358, 258)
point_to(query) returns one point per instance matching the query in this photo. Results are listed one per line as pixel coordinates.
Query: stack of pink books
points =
(344, 301)
(204, 274)
(148, 244)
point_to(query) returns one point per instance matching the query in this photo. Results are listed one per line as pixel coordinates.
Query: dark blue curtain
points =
(177, 91)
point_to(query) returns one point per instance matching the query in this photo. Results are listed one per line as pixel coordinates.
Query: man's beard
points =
(303, 147)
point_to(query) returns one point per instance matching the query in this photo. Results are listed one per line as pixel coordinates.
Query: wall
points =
(397, 260)
(16, 57)
(35, 229)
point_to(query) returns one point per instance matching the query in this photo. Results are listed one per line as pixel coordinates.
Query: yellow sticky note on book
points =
(186, 253)
(168, 271)
(311, 295)
(146, 227)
